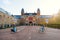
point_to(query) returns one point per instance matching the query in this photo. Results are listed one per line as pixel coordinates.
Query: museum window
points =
(0, 16)
(4, 15)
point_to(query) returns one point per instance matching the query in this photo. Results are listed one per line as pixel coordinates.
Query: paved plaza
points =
(30, 33)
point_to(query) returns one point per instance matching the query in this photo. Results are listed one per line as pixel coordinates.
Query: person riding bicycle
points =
(42, 28)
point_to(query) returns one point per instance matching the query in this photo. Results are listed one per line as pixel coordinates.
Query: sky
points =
(47, 7)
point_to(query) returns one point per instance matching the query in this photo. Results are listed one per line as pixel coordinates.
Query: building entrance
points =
(30, 22)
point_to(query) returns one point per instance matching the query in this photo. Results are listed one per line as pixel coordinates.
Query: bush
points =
(54, 25)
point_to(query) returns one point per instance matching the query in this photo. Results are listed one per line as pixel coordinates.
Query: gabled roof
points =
(3, 11)
(45, 16)
(41, 16)
(17, 16)
(30, 14)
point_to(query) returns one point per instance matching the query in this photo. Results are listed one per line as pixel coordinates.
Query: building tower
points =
(38, 12)
(22, 11)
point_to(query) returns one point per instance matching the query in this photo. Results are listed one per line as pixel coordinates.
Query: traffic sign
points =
(46, 20)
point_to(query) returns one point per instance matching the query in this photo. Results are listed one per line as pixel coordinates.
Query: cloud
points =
(6, 2)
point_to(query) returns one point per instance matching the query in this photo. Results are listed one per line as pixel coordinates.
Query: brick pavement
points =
(30, 33)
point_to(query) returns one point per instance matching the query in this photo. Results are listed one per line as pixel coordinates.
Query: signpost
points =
(46, 21)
